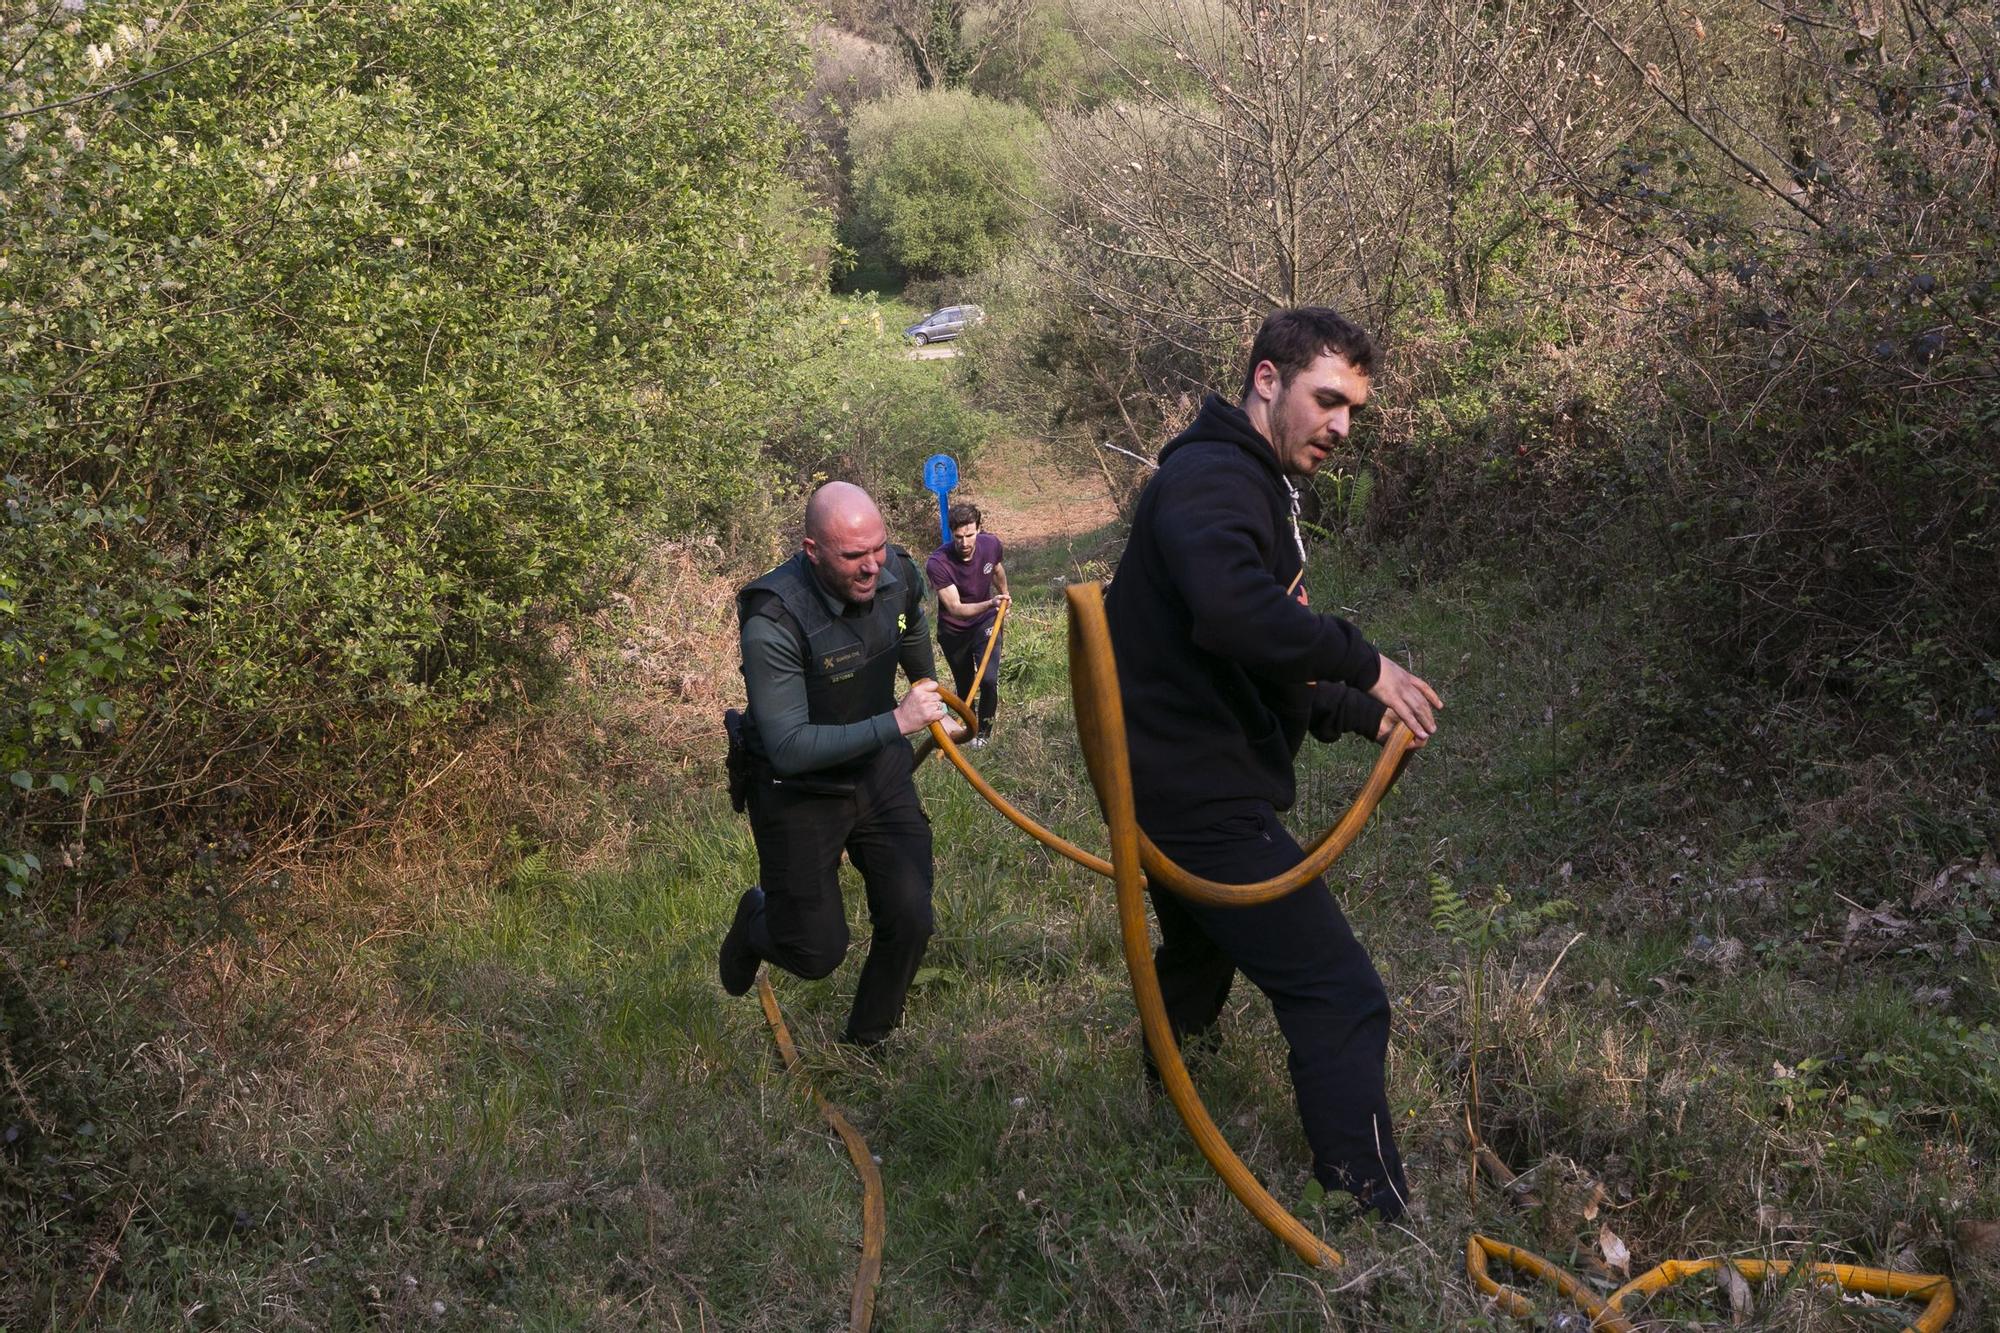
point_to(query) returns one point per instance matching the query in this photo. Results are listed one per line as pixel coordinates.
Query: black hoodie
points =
(1223, 671)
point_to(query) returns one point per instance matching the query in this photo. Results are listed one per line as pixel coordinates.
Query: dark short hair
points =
(963, 513)
(1293, 339)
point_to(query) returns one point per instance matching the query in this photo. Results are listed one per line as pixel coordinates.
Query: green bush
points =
(944, 180)
(337, 346)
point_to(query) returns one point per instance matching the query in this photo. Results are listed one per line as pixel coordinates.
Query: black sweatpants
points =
(962, 649)
(1329, 1002)
(800, 834)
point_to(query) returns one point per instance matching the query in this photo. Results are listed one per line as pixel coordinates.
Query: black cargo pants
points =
(801, 827)
(1327, 997)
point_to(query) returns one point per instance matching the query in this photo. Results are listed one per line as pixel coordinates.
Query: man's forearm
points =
(963, 610)
(806, 748)
(1339, 709)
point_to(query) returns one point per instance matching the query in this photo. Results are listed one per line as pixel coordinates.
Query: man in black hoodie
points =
(1224, 670)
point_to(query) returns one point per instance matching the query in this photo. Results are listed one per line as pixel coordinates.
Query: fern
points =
(1500, 920)
(1449, 910)
(534, 869)
(1360, 489)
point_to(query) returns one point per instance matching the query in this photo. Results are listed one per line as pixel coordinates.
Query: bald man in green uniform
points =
(830, 761)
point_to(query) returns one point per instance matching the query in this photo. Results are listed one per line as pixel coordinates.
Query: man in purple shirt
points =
(971, 584)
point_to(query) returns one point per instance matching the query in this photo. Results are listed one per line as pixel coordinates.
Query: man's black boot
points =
(737, 963)
(1196, 1048)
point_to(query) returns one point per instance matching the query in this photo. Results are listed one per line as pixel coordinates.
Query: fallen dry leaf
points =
(1615, 1254)
(1938, 892)
(1872, 928)
(1949, 882)
(1741, 1307)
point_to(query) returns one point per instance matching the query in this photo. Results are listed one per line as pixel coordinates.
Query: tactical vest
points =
(850, 661)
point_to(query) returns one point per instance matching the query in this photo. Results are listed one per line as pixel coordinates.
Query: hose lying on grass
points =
(868, 1275)
(1607, 1313)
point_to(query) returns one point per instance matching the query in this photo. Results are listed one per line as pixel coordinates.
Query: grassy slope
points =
(527, 1104)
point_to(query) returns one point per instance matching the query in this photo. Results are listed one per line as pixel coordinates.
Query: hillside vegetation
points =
(511, 1095)
(392, 395)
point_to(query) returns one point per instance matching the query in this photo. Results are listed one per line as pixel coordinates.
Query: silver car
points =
(944, 325)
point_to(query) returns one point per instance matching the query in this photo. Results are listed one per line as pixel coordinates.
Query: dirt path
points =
(1038, 509)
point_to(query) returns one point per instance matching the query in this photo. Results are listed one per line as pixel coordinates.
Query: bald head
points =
(846, 540)
(836, 505)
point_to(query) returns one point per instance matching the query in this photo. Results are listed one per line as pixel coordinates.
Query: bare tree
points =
(945, 41)
(1726, 275)
(848, 70)
(1379, 157)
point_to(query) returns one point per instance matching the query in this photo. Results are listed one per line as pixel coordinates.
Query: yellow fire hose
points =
(1479, 1249)
(1935, 1290)
(992, 642)
(1607, 1314)
(1100, 713)
(1100, 721)
(1320, 853)
(868, 1275)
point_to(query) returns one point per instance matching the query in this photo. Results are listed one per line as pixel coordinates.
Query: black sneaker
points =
(737, 962)
(1373, 1204)
(870, 1048)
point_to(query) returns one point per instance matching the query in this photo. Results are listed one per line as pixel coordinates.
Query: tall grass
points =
(526, 1104)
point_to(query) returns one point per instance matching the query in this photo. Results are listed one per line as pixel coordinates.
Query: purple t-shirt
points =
(973, 578)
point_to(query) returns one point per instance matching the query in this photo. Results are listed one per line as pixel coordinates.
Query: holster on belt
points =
(747, 766)
(738, 762)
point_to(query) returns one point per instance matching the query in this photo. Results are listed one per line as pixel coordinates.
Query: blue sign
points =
(940, 475)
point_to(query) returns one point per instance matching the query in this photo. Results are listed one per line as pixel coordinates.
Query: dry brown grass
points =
(652, 670)
(256, 1015)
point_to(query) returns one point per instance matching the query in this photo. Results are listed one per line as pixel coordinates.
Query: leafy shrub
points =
(338, 346)
(943, 180)
(1069, 53)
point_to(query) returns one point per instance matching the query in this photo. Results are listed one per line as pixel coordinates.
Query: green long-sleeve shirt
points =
(774, 673)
